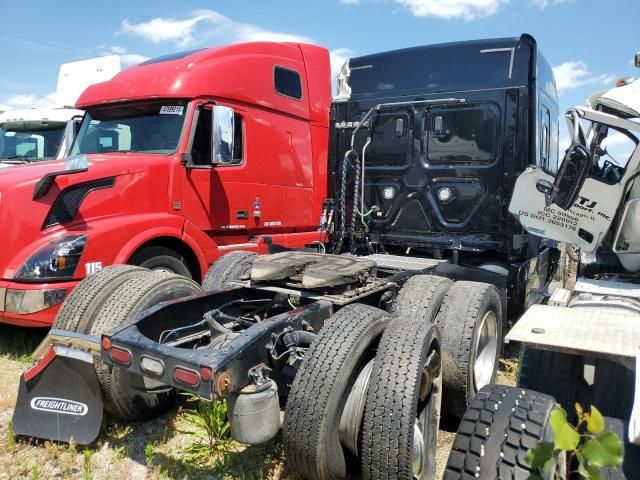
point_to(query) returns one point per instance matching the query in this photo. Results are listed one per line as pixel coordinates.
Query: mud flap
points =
(62, 402)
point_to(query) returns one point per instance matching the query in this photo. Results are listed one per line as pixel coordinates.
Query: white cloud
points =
(126, 58)
(132, 59)
(542, 4)
(452, 9)
(163, 29)
(576, 74)
(350, 2)
(118, 50)
(200, 26)
(28, 100)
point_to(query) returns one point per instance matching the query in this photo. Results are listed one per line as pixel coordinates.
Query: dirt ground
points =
(151, 450)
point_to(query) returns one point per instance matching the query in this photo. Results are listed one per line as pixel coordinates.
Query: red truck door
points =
(267, 188)
(217, 198)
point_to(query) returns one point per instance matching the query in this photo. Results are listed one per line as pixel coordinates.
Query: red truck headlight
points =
(57, 260)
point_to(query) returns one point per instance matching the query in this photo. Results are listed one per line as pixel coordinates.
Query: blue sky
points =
(37, 36)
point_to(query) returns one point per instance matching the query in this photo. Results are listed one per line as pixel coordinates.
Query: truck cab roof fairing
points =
(446, 67)
(242, 73)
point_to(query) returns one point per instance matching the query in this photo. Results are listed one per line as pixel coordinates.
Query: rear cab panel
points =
(450, 155)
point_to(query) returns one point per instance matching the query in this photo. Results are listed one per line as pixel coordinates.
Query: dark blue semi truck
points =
(362, 338)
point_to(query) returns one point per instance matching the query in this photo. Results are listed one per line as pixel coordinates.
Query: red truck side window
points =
(287, 83)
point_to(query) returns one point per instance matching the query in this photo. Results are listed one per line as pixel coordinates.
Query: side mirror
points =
(222, 134)
(70, 133)
(571, 176)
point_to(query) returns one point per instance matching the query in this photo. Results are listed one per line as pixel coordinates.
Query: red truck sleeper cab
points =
(140, 186)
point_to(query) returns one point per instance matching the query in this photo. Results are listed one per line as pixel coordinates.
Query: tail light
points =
(106, 343)
(186, 377)
(120, 355)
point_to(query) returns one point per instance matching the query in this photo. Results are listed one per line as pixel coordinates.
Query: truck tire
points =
(89, 295)
(161, 259)
(470, 324)
(496, 432)
(124, 393)
(421, 297)
(321, 387)
(400, 431)
(228, 268)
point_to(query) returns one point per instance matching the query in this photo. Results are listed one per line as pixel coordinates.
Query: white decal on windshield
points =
(171, 110)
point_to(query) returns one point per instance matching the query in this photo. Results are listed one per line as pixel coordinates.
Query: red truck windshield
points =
(150, 127)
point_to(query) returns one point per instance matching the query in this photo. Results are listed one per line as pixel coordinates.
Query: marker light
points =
(206, 374)
(120, 355)
(186, 377)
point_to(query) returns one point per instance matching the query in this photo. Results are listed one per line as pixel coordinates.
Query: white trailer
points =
(37, 134)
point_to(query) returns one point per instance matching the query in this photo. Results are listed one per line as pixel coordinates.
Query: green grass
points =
(209, 433)
(35, 473)
(11, 434)
(18, 343)
(87, 473)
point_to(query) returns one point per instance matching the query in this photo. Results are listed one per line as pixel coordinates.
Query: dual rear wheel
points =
(366, 399)
(469, 317)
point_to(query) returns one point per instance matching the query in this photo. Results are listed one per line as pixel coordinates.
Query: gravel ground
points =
(151, 450)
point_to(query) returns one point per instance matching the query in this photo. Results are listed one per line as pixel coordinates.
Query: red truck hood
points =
(22, 218)
(17, 173)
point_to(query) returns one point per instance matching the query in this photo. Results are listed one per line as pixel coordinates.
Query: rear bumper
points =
(32, 304)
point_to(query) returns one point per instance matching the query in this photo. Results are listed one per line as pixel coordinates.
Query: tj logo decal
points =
(585, 202)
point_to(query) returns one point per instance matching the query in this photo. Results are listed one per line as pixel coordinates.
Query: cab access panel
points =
(439, 173)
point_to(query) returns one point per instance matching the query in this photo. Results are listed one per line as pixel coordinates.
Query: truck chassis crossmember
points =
(220, 368)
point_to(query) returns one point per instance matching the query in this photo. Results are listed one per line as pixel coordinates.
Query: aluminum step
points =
(598, 331)
(399, 262)
(607, 287)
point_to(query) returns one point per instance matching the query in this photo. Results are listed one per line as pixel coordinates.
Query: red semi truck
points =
(142, 185)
